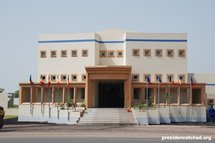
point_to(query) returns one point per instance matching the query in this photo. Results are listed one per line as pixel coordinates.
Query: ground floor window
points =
(26, 93)
(196, 96)
(137, 93)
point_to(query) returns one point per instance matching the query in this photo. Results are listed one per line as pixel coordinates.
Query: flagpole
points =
(41, 98)
(147, 96)
(31, 94)
(169, 93)
(158, 95)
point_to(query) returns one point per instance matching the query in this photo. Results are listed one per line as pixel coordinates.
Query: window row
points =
(62, 78)
(159, 52)
(169, 77)
(63, 53)
(110, 53)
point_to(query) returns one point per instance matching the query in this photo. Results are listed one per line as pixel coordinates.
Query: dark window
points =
(137, 92)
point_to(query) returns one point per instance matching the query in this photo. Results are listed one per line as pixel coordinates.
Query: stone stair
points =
(107, 116)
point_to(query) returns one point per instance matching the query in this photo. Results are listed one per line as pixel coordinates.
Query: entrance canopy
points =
(107, 73)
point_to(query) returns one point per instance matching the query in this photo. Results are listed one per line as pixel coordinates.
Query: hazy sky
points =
(21, 21)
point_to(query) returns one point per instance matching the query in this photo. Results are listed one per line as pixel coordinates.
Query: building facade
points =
(113, 68)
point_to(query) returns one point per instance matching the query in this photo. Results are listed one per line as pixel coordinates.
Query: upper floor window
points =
(63, 77)
(111, 54)
(158, 53)
(42, 54)
(181, 53)
(42, 77)
(158, 76)
(136, 52)
(102, 53)
(74, 77)
(146, 76)
(135, 77)
(83, 77)
(63, 53)
(119, 54)
(169, 77)
(147, 52)
(74, 53)
(170, 53)
(84, 53)
(181, 78)
(53, 54)
(53, 78)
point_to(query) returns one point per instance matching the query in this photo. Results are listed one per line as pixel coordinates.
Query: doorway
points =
(111, 94)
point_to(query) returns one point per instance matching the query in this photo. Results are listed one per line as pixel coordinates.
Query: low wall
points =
(170, 114)
(47, 113)
(140, 117)
(188, 113)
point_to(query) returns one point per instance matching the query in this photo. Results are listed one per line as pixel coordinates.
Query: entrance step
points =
(107, 116)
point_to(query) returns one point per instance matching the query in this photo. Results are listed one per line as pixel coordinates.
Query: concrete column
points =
(42, 94)
(74, 93)
(52, 94)
(190, 96)
(20, 95)
(127, 92)
(31, 95)
(64, 96)
(155, 95)
(179, 95)
(203, 96)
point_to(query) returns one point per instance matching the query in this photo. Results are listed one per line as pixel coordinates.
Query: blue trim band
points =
(101, 42)
(210, 84)
(155, 40)
(66, 41)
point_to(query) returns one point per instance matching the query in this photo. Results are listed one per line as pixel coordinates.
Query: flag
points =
(191, 80)
(67, 80)
(41, 81)
(49, 81)
(30, 80)
(159, 79)
(58, 81)
(170, 79)
(148, 79)
(180, 80)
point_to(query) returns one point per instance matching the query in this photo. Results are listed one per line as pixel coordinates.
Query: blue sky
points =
(21, 21)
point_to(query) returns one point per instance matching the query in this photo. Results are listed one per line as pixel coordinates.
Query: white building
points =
(110, 69)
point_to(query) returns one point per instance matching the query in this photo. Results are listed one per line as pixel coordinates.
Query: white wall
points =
(69, 65)
(111, 35)
(156, 65)
(153, 65)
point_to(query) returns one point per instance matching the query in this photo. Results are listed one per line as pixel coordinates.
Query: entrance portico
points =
(107, 73)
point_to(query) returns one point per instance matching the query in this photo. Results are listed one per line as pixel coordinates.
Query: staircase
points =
(107, 116)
